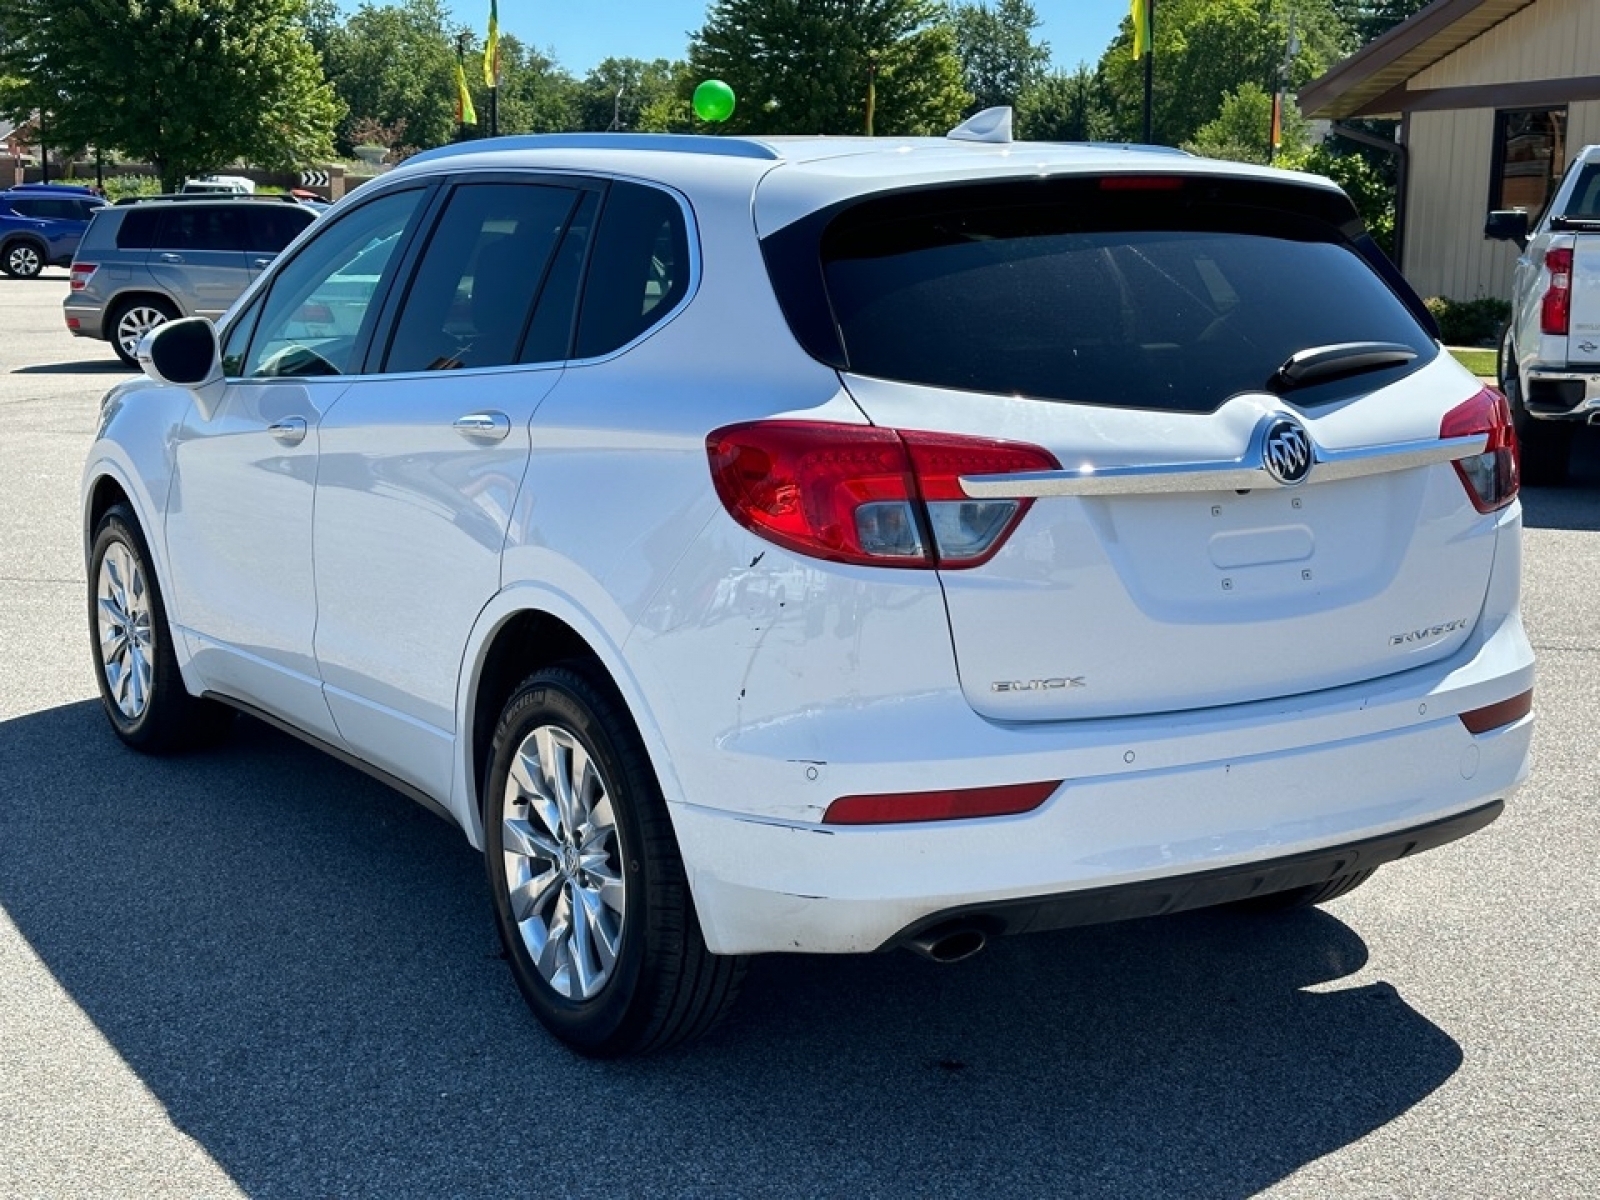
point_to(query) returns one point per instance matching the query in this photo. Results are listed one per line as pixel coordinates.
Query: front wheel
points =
(590, 895)
(22, 260)
(141, 688)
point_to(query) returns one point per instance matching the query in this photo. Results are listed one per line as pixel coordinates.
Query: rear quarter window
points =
(137, 230)
(1171, 298)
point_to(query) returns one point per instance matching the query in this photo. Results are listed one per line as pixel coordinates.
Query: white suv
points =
(826, 545)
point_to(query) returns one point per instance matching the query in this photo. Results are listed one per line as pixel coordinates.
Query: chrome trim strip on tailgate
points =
(1238, 475)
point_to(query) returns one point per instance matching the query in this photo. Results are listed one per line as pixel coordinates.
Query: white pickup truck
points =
(1550, 352)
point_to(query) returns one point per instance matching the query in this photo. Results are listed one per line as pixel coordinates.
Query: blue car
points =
(41, 225)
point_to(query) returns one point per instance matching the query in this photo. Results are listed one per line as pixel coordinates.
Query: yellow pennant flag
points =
(1141, 28)
(465, 113)
(491, 47)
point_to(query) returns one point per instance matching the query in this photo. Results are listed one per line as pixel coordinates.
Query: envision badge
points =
(1428, 634)
(1286, 451)
(1039, 685)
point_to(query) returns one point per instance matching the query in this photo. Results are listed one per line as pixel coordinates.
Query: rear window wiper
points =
(1318, 363)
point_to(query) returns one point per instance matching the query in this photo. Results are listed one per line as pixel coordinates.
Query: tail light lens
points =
(81, 274)
(1555, 312)
(862, 494)
(1492, 477)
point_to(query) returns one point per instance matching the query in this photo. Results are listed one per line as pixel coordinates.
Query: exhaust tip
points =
(950, 945)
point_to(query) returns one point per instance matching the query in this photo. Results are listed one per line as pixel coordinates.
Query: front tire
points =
(590, 895)
(141, 687)
(22, 260)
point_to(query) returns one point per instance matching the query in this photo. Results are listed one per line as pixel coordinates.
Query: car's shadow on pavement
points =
(97, 366)
(301, 967)
(1574, 505)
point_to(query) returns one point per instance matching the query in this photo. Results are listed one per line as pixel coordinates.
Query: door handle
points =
(260, 262)
(491, 426)
(291, 430)
(172, 258)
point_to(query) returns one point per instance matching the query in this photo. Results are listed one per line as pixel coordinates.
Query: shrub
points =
(1469, 322)
(118, 186)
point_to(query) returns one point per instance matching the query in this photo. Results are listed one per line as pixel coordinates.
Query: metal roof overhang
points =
(1372, 81)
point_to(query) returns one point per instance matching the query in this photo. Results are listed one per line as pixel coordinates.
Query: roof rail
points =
(197, 197)
(676, 143)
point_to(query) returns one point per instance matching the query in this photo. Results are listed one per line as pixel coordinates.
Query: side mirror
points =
(185, 354)
(1508, 225)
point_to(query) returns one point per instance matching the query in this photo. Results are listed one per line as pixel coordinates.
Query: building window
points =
(1530, 154)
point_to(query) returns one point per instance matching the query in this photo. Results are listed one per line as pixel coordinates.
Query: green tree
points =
(1000, 60)
(537, 94)
(1369, 19)
(804, 66)
(397, 63)
(1242, 128)
(189, 86)
(1065, 106)
(1205, 49)
(635, 96)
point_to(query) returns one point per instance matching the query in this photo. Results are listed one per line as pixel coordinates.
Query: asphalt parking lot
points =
(256, 972)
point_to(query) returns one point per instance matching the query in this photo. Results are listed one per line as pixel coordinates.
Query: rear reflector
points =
(74, 323)
(892, 808)
(1493, 716)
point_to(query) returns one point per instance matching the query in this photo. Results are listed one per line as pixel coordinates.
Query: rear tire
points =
(1305, 897)
(131, 320)
(22, 259)
(590, 895)
(141, 687)
(1545, 446)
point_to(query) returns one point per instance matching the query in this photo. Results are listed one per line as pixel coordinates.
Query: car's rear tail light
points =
(1492, 477)
(1555, 312)
(862, 494)
(81, 274)
(1494, 716)
(894, 808)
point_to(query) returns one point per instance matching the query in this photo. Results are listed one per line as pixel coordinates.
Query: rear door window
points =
(640, 268)
(1170, 297)
(196, 227)
(472, 295)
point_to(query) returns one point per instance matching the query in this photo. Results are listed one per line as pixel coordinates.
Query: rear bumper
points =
(89, 317)
(1102, 848)
(1562, 394)
(1179, 893)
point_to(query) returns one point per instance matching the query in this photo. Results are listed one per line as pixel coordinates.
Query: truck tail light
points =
(1492, 477)
(1555, 311)
(82, 273)
(868, 495)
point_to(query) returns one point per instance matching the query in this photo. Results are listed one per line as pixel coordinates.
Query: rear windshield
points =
(1174, 296)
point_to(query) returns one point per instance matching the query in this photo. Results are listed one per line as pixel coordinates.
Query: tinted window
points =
(639, 270)
(46, 208)
(272, 227)
(138, 229)
(238, 341)
(320, 303)
(204, 227)
(1585, 202)
(473, 290)
(1174, 299)
(550, 336)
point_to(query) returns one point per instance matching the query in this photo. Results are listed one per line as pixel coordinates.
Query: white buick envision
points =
(828, 545)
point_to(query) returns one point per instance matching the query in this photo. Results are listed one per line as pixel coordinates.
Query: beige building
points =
(1494, 97)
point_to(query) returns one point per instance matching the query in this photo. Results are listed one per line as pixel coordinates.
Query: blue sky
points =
(582, 32)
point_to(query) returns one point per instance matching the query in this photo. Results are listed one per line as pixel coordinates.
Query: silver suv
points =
(142, 264)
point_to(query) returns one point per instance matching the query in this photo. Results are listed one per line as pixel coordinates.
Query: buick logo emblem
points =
(1286, 451)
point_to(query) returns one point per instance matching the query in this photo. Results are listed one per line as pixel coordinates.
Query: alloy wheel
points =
(126, 647)
(563, 862)
(134, 323)
(23, 261)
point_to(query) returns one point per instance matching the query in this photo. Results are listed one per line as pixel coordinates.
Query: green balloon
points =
(713, 101)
